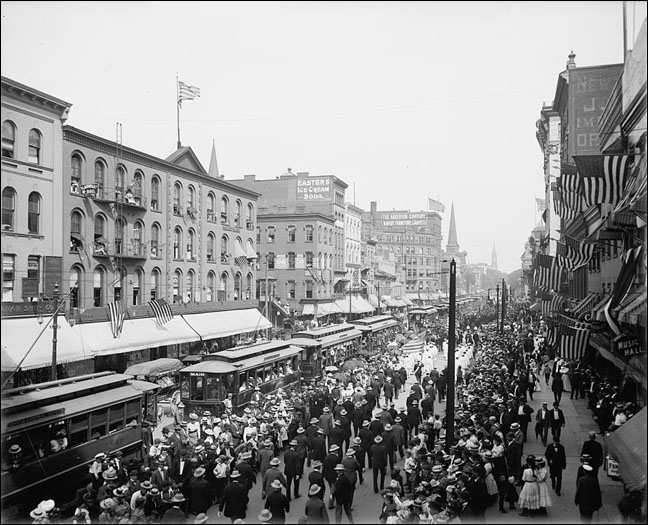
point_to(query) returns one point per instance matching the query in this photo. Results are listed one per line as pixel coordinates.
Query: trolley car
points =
(242, 371)
(377, 331)
(52, 431)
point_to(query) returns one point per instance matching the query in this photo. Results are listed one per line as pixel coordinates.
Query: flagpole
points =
(178, 110)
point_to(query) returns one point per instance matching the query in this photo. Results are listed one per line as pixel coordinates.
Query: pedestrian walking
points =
(378, 454)
(342, 494)
(588, 496)
(315, 510)
(557, 459)
(595, 451)
(529, 500)
(557, 386)
(556, 420)
(235, 499)
(277, 503)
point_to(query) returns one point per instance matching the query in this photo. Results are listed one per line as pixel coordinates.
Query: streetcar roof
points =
(323, 331)
(304, 341)
(216, 366)
(375, 319)
(344, 336)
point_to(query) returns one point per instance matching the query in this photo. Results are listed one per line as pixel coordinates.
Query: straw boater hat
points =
(235, 474)
(314, 489)
(146, 485)
(275, 462)
(327, 409)
(365, 423)
(276, 484)
(293, 443)
(109, 474)
(317, 463)
(209, 432)
(15, 449)
(314, 421)
(37, 513)
(265, 515)
(199, 448)
(339, 466)
(201, 518)
(378, 439)
(177, 498)
(193, 415)
(320, 431)
(350, 452)
(199, 472)
(515, 426)
(357, 440)
(107, 503)
(334, 447)
(388, 427)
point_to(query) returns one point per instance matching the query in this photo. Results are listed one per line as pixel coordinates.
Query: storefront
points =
(626, 447)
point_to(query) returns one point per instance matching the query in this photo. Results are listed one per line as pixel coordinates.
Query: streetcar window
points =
(116, 420)
(133, 410)
(79, 426)
(184, 388)
(24, 453)
(214, 387)
(38, 439)
(98, 420)
(230, 386)
(243, 381)
(197, 393)
(58, 438)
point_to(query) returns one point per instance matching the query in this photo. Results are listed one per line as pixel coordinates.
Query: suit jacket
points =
(328, 469)
(594, 449)
(378, 454)
(235, 500)
(319, 447)
(388, 440)
(160, 480)
(315, 510)
(277, 503)
(270, 475)
(290, 463)
(317, 478)
(588, 493)
(248, 476)
(540, 420)
(553, 422)
(556, 457)
(342, 489)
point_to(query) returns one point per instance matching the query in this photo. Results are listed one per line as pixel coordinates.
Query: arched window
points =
(238, 283)
(177, 199)
(191, 199)
(249, 218)
(211, 207)
(155, 241)
(224, 210)
(237, 214)
(75, 283)
(138, 184)
(189, 291)
(8, 209)
(8, 139)
(76, 169)
(211, 283)
(249, 287)
(98, 286)
(191, 247)
(119, 289)
(155, 194)
(138, 249)
(120, 228)
(33, 212)
(155, 284)
(100, 243)
(35, 142)
(120, 183)
(76, 234)
(222, 286)
(177, 243)
(138, 285)
(224, 249)
(177, 286)
(211, 245)
(100, 178)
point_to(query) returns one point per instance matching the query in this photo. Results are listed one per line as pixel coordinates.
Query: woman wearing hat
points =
(529, 499)
(315, 509)
(542, 475)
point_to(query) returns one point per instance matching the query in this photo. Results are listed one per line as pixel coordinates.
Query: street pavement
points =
(367, 504)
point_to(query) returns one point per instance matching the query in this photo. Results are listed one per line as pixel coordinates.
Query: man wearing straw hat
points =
(277, 502)
(175, 514)
(235, 499)
(341, 491)
(315, 509)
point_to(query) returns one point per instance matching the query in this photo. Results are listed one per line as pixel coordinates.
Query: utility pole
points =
(378, 287)
(498, 309)
(450, 402)
(267, 312)
(504, 299)
(55, 330)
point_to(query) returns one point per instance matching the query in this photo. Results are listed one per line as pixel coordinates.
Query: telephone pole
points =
(450, 402)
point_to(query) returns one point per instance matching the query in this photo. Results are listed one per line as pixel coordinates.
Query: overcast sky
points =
(401, 100)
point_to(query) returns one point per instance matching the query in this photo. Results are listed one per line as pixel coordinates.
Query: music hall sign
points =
(627, 346)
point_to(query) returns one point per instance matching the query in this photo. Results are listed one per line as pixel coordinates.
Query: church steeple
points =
(213, 165)
(452, 246)
(494, 259)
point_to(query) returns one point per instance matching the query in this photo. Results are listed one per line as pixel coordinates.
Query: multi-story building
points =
(353, 246)
(301, 216)
(32, 168)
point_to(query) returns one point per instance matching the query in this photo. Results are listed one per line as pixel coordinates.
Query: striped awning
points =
(597, 311)
(633, 308)
(628, 445)
(584, 305)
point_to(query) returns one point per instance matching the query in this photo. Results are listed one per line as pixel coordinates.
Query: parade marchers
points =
(347, 431)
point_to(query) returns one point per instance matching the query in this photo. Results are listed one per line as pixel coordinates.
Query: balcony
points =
(136, 252)
(117, 196)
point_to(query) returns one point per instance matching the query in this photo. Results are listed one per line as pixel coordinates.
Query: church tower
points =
(213, 165)
(452, 246)
(494, 259)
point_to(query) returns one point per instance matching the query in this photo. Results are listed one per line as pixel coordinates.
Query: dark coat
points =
(389, 440)
(376, 427)
(342, 490)
(277, 503)
(588, 493)
(174, 515)
(235, 500)
(200, 495)
(248, 476)
(317, 478)
(378, 454)
(553, 422)
(556, 458)
(315, 510)
(414, 416)
(328, 469)
(290, 463)
(319, 447)
(594, 449)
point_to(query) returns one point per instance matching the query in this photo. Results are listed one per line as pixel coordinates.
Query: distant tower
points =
(452, 246)
(213, 165)
(494, 259)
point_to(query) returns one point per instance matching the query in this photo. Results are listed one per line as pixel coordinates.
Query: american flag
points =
(573, 254)
(117, 314)
(561, 206)
(573, 342)
(413, 346)
(186, 92)
(603, 177)
(162, 310)
(547, 273)
(551, 303)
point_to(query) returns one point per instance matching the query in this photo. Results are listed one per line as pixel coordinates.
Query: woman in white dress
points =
(542, 474)
(529, 500)
(491, 484)
(565, 371)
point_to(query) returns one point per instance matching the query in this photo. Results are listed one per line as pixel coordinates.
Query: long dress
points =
(564, 370)
(543, 490)
(491, 484)
(530, 493)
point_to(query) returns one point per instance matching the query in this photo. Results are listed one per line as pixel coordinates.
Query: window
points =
(177, 199)
(214, 387)
(177, 283)
(177, 243)
(155, 241)
(75, 283)
(224, 210)
(76, 167)
(8, 274)
(138, 184)
(116, 418)
(271, 261)
(237, 215)
(120, 183)
(292, 230)
(35, 139)
(191, 254)
(258, 235)
(211, 206)
(137, 239)
(33, 267)
(291, 260)
(191, 202)
(98, 279)
(99, 178)
(8, 209)
(120, 226)
(222, 286)
(309, 289)
(8, 139)
(271, 234)
(309, 259)
(98, 421)
(155, 281)
(79, 426)
(76, 239)
(224, 249)
(249, 219)
(211, 241)
(211, 284)
(197, 392)
(189, 290)
(290, 289)
(155, 194)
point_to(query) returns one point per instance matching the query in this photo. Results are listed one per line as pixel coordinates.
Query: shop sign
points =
(314, 189)
(612, 467)
(627, 346)
(197, 374)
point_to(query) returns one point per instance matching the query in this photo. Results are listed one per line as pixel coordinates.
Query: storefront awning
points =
(407, 301)
(400, 303)
(633, 311)
(364, 305)
(327, 309)
(309, 309)
(389, 302)
(373, 301)
(136, 334)
(628, 445)
(249, 250)
(597, 311)
(18, 334)
(212, 325)
(583, 306)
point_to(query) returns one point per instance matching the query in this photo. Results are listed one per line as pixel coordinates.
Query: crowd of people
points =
(325, 439)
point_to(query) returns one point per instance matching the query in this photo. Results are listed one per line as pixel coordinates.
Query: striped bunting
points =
(584, 306)
(162, 310)
(551, 303)
(547, 273)
(117, 314)
(413, 346)
(573, 254)
(573, 342)
(570, 322)
(603, 177)
(552, 336)
(560, 206)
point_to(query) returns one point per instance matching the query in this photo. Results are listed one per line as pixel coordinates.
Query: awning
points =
(327, 309)
(628, 445)
(156, 367)
(308, 309)
(137, 334)
(632, 310)
(583, 306)
(400, 303)
(364, 305)
(238, 250)
(249, 250)
(417, 311)
(597, 311)
(389, 302)
(18, 334)
(212, 325)
(407, 301)
(373, 301)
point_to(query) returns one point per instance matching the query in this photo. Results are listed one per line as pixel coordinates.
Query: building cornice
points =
(18, 91)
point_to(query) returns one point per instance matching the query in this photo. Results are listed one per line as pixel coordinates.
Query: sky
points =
(400, 100)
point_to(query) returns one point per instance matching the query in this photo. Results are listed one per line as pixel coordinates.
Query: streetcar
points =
(242, 371)
(377, 332)
(326, 346)
(52, 431)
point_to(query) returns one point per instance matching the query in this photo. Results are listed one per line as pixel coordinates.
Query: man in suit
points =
(595, 450)
(524, 416)
(557, 460)
(326, 423)
(317, 478)
(328, 469)
(427, 407)
(337, 437)
(342, 493)
(351, 469)
(588, 494)
(235, 499)
(389, 443)
(319, 446)
(291, 468)
(378, 455)
(270, 475)
(245, 468)
(542, 423)
(160, 476)
(556, 420)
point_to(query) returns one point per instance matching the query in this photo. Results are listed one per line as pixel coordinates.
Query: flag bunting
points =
(117, 314)
(161, 310)
(603, 177)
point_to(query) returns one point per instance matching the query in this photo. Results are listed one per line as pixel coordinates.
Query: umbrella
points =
(392, 345)
(341, 376)
(401, 339)
(351, 364)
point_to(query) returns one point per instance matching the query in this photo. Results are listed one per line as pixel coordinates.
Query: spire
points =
(494, 259)
(213, 165)
(452, 246)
